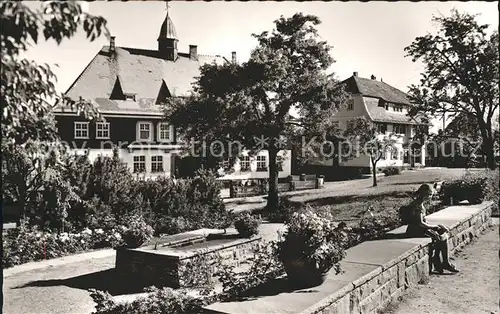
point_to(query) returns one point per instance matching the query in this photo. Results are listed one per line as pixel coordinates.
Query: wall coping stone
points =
(172, 253)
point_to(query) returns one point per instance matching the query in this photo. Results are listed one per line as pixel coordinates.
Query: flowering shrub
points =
(136, 231)
(247, 225)
(26, 244)
(164, 300)
(316, 240)
(263, 267)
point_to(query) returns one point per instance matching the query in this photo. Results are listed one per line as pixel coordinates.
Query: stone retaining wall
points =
(170, 268)
(374, 290)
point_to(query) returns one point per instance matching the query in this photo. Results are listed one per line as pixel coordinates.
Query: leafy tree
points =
(32, 178)
(461, 74)
(28, 94)
(363, 138)
(251, 103)
(113, 184)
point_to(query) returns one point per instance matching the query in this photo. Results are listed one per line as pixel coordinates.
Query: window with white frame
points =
(398, 129)
(81, 130)
(140, 163)
(350, 105)
(245, 163)
(102, 130)
(144, 131)
(156, 164)
(164, 132)
(261, 163)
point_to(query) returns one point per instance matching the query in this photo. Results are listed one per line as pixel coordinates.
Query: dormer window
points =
(130, 96)
(383, 104)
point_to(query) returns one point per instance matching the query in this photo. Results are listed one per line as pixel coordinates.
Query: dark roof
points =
(380, 114)
(377, 89)
(167, 29)
(141, 73)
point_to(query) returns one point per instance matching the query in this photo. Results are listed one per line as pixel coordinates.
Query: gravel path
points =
(474, 290)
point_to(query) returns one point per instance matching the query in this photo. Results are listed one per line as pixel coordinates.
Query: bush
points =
(185, 204)
(317, 241)
(247, 225)
(136, 231)
(473, 189)
(285, 210)
(164, 300)
(27, 243)
(391, 171)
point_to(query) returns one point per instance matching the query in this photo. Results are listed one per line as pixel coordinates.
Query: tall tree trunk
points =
(488, 143)
(374, 172)
(490, 153)
(272, 195)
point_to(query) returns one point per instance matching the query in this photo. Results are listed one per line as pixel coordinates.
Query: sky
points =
(367, 37)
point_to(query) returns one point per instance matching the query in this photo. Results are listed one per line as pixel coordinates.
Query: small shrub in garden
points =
(264, 267)
(247, 225)
(316, 241)
(136, 232)
(391, 171)
(164, 300)
(473, 189)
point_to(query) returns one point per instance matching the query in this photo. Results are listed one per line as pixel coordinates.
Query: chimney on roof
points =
(373, 77)
(381, 79)
(112, 43)
(193, 52)
(355, 73)
(233, 56)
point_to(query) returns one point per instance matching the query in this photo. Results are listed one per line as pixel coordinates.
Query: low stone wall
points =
(376, 272)
(374, 290)
(168, 267)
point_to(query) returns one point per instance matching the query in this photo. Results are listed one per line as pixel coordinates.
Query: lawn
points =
(354, 200)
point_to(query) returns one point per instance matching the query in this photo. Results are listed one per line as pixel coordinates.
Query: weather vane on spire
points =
(167, 6)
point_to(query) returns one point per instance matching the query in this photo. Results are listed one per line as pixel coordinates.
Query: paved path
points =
(474, 290)
(60, 289)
